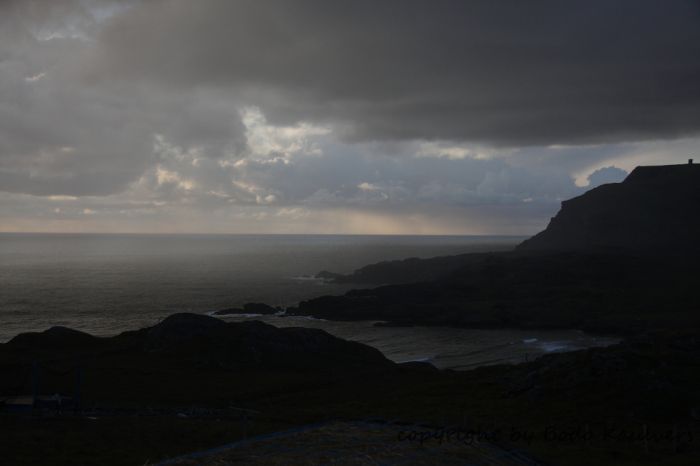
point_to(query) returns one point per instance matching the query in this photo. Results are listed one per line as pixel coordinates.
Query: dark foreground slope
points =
(194, 382)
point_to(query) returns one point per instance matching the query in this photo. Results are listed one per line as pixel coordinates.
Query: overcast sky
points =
(318, 116)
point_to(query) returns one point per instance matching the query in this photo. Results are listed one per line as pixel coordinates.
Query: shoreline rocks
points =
(249, 308)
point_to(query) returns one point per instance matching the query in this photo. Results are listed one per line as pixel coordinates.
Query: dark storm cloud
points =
(62, 135)
(298, 115)
(506, 73)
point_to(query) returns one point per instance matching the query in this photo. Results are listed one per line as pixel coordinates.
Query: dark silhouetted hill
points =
(196, 340)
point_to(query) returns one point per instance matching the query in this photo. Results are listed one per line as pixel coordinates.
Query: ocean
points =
(106, 284)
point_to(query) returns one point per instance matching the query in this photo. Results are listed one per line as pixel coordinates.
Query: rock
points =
(329, 276)
(229, 311)
(248, 308)
(259, 308)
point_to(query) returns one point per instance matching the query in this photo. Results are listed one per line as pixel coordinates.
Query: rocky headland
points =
(621, 258)
(656, 209)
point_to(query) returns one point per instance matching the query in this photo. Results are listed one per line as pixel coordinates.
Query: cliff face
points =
(653, 209)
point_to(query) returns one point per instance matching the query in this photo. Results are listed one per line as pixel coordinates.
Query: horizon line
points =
(255, 234)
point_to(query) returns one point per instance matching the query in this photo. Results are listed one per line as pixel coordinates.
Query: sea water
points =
(106, 284)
